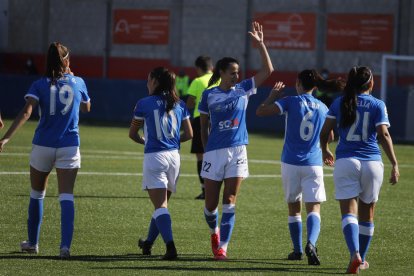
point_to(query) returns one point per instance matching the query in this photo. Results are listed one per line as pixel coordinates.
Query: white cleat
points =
(25, 246)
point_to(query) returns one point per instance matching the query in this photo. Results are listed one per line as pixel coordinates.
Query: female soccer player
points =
(302, 171)
(361, 119)
(55, 144)
(161, 114)
(223, 110)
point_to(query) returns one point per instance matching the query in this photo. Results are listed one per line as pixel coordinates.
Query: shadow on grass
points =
(92, 196)
(184, 263)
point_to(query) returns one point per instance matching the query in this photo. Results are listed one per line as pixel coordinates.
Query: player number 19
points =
(65, 97)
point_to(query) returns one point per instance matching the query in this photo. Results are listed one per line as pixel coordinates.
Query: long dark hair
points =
(221, 65)
(311, 78)
(359, 80)
(55, 67)
(166, 86)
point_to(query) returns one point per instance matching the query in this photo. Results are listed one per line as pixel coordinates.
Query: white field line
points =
(140, 174)
(139, 155)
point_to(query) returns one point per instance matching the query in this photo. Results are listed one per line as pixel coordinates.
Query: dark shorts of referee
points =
(196, 143)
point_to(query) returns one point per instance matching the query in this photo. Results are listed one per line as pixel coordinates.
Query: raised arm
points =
(268, 107)
(385, 140)
(325, 138)
(267, 66)
(133, 131)
(21, 118)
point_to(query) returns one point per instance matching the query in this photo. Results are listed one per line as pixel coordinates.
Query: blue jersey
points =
(305, 116)
(227, 110)
(360, 139)
(161, 130)
(59, 110)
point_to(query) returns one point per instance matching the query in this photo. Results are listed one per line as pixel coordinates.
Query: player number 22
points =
(65, 97)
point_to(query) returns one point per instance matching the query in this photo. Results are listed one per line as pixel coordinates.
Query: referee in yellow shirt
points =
(204, 67)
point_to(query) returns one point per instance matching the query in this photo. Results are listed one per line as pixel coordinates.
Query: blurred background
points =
(115, 43)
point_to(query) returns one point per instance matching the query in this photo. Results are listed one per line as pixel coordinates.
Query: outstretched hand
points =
(257, 32)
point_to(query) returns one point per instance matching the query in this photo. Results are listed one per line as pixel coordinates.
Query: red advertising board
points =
(141, 26)
(288, 30)
(360, 32)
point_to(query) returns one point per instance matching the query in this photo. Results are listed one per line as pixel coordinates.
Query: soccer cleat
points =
(25, 246)
(215, 241)
(145, 246)
(64, 253)
(171, 253)
(364, 265)
(293, 256)
(201, 196)
(356, 261)
(221, 255)
(312, 254)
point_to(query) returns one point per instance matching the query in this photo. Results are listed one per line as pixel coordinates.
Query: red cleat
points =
(356, 261)
(215, 241)
(221, 255)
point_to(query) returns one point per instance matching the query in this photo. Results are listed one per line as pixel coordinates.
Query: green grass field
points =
(112, 213)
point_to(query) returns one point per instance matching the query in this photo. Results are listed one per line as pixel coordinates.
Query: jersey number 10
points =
(161, 124)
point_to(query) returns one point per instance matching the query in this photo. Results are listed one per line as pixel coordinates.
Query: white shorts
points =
(357, 178)
(45, 158)
(225, 163)
(161, 170)
(306, 180)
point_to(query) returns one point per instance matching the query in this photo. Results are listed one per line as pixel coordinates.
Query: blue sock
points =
(313, 226)
(152, 231)
(67, 219)
(212, 220)
(227, 224)
(295, 229)
(366, 231)
(34, 220)
(163, 221)
(351, 232)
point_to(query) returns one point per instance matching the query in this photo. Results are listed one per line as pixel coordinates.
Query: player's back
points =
(360, 139)
(305, 116)
(161, 129)
(59, 110)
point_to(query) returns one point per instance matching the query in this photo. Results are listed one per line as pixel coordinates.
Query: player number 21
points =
(65, 96)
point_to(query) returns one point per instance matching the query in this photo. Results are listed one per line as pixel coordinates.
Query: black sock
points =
(199, 165)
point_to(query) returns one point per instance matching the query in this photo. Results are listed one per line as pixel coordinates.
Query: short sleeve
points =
(139, 111)
(283, 105)
(203, 105)
(381, 117)
(84, 91)
(248, 86)
(33, 92)
(334, 108)
(186, 113)
(194, 88)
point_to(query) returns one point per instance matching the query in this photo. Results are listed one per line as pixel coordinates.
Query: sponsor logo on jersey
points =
(228, 124)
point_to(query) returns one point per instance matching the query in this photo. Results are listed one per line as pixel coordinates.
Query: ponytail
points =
(221, 65)
(56, 55)
(166, 86)
(311, 78)
(359, 80)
